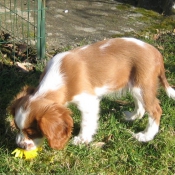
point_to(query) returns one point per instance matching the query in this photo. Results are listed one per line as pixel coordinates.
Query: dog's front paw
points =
(80, 140)
(143, 137)
(77, 140)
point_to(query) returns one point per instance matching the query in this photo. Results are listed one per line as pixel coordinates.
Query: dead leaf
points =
(160, 47)
(122, 102)
(9, 45)
(25, 66)
(22, 47)
(156, 36)
(98, 144)
(108, 138)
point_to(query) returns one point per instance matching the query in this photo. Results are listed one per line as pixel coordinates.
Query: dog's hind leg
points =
(139, 105)
(154, 112)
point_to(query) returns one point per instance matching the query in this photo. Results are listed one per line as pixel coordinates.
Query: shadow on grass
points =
(11, 81)
(117, 107)
(170, 68)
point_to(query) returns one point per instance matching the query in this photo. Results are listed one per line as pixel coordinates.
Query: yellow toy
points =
(21, 153)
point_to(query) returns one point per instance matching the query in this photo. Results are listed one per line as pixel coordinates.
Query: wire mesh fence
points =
(22, 28)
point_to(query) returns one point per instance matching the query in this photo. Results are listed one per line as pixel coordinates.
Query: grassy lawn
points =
(120, 155)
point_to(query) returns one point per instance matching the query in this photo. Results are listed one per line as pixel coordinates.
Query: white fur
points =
(20, 137)
(84, 47)
(20, 117)
(105, 91)
(100, 91)
(53, 79)
(173, 6)
(138, 42)
(89, 106)
(150, 131)
(102, 47)
(139, 105)
(170, 92)
(20, 140)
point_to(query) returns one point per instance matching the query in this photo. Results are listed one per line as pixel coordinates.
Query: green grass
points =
(121, 154)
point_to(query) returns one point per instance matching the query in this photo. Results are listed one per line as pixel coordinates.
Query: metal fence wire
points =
(22, 28)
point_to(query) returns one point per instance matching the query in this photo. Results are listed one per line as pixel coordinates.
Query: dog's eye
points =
(30, 136)
(31, 133)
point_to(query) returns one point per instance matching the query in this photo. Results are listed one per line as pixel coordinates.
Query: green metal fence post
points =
(24, 22)
(43, 32)
(41, 46)
(38, 30)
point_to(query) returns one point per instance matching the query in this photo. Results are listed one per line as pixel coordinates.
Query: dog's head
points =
(38, 119)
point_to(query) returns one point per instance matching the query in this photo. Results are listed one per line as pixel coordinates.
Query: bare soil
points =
(71, 22)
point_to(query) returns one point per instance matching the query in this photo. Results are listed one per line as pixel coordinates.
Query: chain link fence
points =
(22, 28)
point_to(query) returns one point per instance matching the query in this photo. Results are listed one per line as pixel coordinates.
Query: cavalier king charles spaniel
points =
(83, 76)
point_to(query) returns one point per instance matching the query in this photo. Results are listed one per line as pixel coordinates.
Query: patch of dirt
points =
(71, 22)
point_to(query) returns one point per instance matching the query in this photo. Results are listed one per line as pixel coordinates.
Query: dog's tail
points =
(169, 90)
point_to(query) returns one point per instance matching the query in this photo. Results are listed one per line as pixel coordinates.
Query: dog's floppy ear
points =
(56, 124)
(20, 96)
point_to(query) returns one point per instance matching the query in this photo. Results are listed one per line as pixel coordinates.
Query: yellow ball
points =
(18, 152)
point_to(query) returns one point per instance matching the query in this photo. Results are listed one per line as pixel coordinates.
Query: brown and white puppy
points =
(83, 76)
